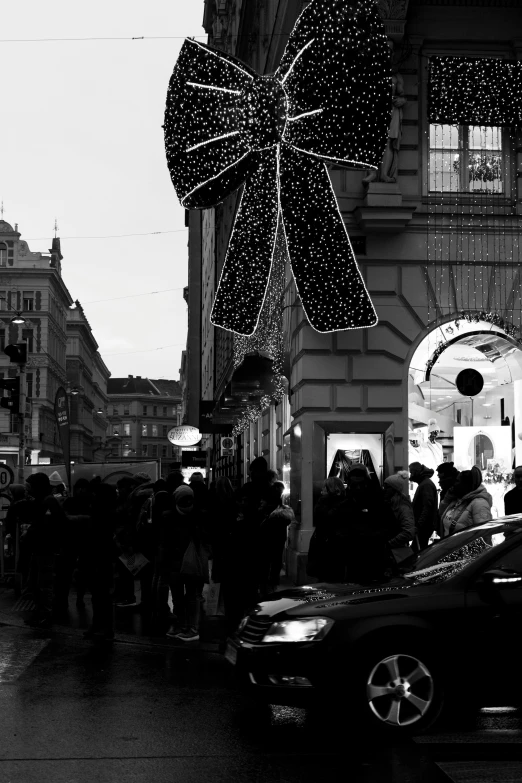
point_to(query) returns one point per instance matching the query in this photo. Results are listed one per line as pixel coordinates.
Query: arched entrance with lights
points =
(474, 425)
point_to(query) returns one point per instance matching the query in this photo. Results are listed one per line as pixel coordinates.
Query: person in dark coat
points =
(396, 494)
(17, 524)
(332, 495)
(357, 533)
(272, 539)
(46, 534)
(513, 498)
(425, 504)
(99, 554)
(448, 475)
(180, 529)
(78, 510)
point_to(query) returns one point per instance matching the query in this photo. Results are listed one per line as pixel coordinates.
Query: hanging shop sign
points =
(194, 459)
(184, 435)
(328, 102)
(61, 412)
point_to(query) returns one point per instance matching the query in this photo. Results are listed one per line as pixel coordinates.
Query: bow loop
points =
(207, 153)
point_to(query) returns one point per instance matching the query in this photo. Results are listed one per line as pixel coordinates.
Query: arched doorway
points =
(484, 429)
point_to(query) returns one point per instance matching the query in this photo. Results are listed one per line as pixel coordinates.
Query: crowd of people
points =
(362, 533)
(169, 536)
(173, 537)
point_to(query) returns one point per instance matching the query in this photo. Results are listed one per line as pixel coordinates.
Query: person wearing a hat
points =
(425, 504)
(396, 494)
(472, 505)
(448, 475)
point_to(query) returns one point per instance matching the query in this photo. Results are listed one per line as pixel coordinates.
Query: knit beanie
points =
(399, 482)
(183, 491)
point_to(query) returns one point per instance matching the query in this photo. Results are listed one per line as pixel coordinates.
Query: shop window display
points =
(483, 429)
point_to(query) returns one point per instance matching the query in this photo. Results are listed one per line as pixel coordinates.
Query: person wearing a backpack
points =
(472, 504)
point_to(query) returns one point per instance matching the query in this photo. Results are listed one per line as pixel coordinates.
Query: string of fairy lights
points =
(473, 247)
(268, 338)
(329, 101)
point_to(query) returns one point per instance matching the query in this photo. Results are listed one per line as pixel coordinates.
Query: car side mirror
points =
(501, 578)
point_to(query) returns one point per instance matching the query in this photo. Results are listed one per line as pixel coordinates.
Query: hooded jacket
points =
(472, 509)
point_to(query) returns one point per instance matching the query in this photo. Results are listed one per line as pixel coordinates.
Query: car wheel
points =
(402, 693)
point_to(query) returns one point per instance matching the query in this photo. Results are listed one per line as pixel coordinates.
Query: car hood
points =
(324, 596)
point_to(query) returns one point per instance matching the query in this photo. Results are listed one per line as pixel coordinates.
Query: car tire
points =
(400, 690)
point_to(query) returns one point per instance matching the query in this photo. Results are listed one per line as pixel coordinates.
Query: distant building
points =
(141, 412)
(61, 351)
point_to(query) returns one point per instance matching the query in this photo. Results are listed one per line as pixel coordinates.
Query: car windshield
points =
(447, 557)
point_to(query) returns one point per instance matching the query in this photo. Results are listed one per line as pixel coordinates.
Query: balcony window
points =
(163, 451)
(144, 450)
(165, 410)
(144, 429)
(126, 429)
(154, 410)
(154, 430)
(144, 410)
(126, 411)
(165, 431)
(154, 451)
(27, 336)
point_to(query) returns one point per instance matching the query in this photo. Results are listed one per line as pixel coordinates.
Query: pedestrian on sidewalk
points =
(396, 495)
(472, 504)
(181, 529)
(425, 505)
(99, 554)
(363, 538)
(125, 538)
(272, 539)
(227, 549)
(321, 556)
(78, 510)
(46, 533)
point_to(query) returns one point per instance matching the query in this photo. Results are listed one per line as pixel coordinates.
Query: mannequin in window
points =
(414, 447)
(390, 161)
(432, 453)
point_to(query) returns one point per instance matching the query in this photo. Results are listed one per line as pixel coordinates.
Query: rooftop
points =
(144, 386)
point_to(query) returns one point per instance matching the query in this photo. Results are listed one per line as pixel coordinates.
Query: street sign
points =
(227, 447)
(6, 476)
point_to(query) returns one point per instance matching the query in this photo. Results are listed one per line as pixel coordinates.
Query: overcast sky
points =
(81, 141)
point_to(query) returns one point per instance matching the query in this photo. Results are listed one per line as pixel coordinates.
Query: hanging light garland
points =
(328, 102)
(267, 338)
(475, 91)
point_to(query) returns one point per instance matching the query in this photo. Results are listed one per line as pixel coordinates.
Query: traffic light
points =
(12, 403)
(17, 352)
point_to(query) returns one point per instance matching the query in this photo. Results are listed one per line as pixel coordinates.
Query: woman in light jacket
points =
(471, 506)
(397, 497)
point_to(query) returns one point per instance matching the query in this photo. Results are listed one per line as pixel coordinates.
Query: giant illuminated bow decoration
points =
(328, 102)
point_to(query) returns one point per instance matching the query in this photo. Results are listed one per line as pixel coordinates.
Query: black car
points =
(446, 630)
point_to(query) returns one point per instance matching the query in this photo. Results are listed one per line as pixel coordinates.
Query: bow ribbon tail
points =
(326, 274)
(246, 271)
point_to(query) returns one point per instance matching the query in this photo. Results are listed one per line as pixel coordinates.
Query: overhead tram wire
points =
(114, 236)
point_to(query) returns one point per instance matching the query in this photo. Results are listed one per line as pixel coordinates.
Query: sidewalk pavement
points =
(130, 627)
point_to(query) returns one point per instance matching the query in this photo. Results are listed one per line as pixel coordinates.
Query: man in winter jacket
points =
(425, 504)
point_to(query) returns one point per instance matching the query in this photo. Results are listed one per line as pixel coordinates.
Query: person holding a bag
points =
(472, 504)
(183, 565)
(397, 497)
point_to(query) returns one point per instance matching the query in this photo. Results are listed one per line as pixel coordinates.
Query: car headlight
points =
(305, 629)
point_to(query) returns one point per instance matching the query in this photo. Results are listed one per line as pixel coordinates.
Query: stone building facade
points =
(61, 351)
(140, 413)
(436, 235)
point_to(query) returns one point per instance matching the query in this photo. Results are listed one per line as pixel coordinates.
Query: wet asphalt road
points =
(73, 712)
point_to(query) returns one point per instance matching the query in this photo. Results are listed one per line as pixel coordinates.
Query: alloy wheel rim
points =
(400, 690)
